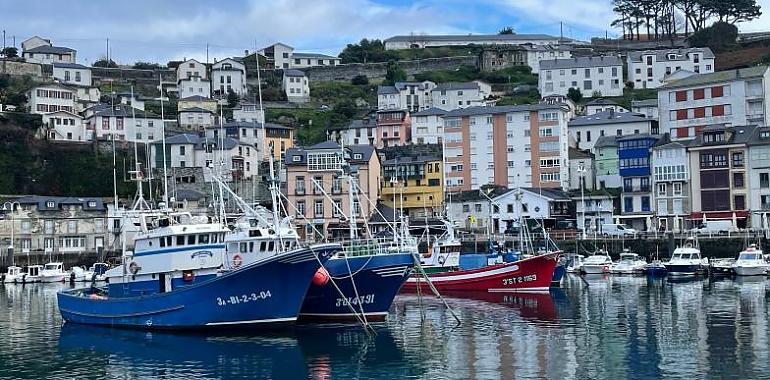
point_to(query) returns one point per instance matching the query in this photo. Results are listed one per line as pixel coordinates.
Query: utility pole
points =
(561, 30)
(108, 51)
(3, 39)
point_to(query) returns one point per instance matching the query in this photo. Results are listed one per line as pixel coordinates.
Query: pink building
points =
(394, 128)
(321, 164)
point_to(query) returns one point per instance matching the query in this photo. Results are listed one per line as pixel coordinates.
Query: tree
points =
(232, 98)
(147, 66)
(360, 80)
(574, 94)
(720, 37)
(506, 30)
(394, 73)
(346, 108)
(103, 62)
(10, 52)
(367, 51)
(735, 11)
(596, 94)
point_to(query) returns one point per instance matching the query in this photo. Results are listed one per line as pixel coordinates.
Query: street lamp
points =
(8, 206)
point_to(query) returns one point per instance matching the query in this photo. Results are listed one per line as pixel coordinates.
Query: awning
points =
(716, 215)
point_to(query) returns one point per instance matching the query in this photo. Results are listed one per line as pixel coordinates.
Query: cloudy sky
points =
(158, 30)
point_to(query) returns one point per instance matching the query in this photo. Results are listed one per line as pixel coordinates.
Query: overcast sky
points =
(158, 31)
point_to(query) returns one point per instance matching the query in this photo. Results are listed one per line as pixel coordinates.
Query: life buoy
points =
(134, 267)
(188, 276)
(321, 277)
(237, 261)
(606, 269)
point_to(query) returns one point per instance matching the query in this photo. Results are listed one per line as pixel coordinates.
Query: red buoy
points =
(321, 277)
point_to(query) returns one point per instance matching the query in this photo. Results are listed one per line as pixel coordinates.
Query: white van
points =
(715, 227)
(617, 230)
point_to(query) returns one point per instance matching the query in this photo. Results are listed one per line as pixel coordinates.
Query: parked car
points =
(715, 227)
(611, 229)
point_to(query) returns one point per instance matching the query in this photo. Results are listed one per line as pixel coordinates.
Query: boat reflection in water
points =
(314, 352)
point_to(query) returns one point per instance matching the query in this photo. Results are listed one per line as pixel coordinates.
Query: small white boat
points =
(32, 274)
(79, 274)
(575, 263)
(53, 272)
(13, 275)
(598, 263)
(750, 262)
(630, 263)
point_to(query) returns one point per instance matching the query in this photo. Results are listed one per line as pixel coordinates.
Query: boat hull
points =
(262, 293)
(52, 278)
(754, 270)
(558, 275)
(596, 268)
(682, 269)
(532, 274)
(375, 278)
(717, 270)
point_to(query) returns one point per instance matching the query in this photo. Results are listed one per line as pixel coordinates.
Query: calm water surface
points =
(604, 328)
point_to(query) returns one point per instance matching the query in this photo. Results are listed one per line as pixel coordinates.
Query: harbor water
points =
(602, 328)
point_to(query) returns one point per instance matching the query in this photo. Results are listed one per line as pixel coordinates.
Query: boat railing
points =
(374, 246)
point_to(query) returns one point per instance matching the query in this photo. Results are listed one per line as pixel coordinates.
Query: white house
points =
(192, 79)
(411, 96)
(248, 112)
(296, 86)
(195, 119)
(193, 151)
(191, 68)
(648, 108)
(421, 41)
(581, 169)
(600, 74)
(671, 183)
(600, 105)
(586, 130)
(40, 50)
(228, 74)
(648, 68)
(428, 126)
(51, 98)
(66, 126)
(302, 60)
(124, 122)
(279, 54)
(72, 73)
(593, 209)
(537, 53)
(453, 95)
(85, 96)
(358, 132)
(732, 98)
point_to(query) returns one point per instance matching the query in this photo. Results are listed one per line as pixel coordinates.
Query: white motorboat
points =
(750, 262)
(630, 263)
(575, 263)
(13, 275)
(32, 274)
(79, 274)
(598, 263)
(685, 261)
(53, 272)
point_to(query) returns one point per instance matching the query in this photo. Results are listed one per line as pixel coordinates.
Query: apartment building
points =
(414, 184)
(278, 138)
(634, 169)
(428, 126)
(318, 191)
(591, 75)
(123, 122)
(51, 98)
(228, 75)
(586, 130)
(454, 95)
(720, 188)
(235, 158)
(393, 128)
(411, 96)
(648, 68)
(671, 184)
(606, 162)
(511, 146)
(731, 98)
(359, 131)
(759, 177)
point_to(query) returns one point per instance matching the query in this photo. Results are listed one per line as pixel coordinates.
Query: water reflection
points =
(602, 327)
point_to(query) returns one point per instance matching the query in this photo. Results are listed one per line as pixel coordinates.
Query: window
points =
(628, 204)
(299, 185)
(318, 208)
(477, 207)
(681, 96)
(738, 182)
(466, 208)
(739, 202)
(301, 208)
(737, 159)
(662, 189)
(764, 180)
(645, 203)
(72, 226)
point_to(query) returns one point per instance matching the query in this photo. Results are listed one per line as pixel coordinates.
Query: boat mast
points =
(273, 188)
(163, 141)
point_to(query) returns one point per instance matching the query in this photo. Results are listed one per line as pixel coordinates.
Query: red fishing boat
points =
(531, 274)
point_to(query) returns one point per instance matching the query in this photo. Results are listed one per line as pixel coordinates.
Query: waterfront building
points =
(634, 169)
(421, 41)
(56, 226)
(509, 146)
(228, 75)
(593, 209)
(278, 138)
(195, 119)
(72, 73)
(393, 128)
(720, 189)
(598, 105)
(414, 184)
(428, 126)
(648, 108)
(671, 184)
(732, 98)
(601, 75)
(124, 123)
(586, 130)
(236, 158)
(410, 96)
(759, 177)
(296, 86)
(582, 171)
(248, 112)
(41, 50)
(647, 68)
(606, 161)
(312, 169)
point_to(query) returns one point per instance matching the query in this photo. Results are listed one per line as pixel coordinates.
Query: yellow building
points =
(280, 138)
(414, 183)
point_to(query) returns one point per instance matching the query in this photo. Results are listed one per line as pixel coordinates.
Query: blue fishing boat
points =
(179, 278)
(655, 269)
(364, 284)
